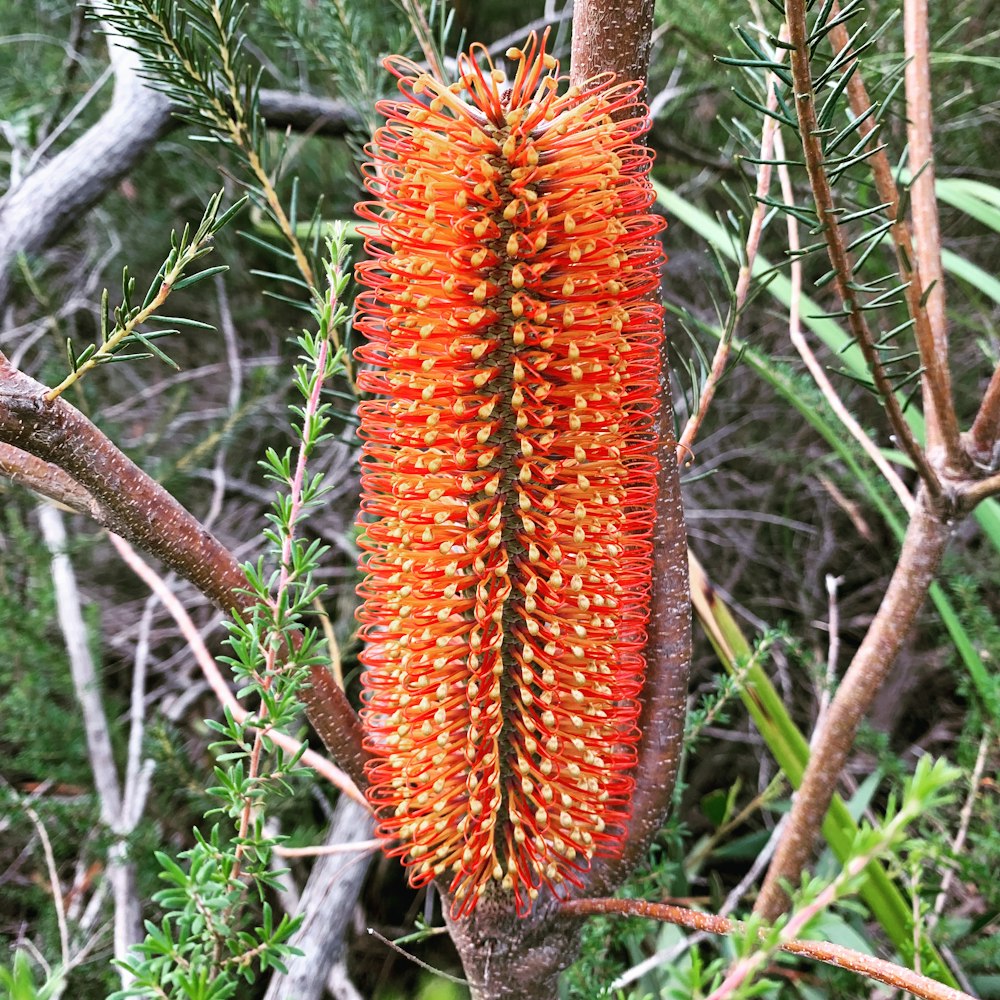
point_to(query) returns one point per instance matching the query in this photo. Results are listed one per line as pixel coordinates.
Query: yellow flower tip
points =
(508, 472)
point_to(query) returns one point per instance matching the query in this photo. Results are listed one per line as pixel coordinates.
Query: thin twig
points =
(799, 342)
(826, 213)
(964, 819)
(57, 896)
(410, 957)
(320, 850)
(942, 424)
(109, 346)
(832, 954)
(745, 277)
(670, 955)
(212, 674)
(984, 434)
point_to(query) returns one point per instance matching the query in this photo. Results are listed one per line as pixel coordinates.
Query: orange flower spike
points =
(508, 472)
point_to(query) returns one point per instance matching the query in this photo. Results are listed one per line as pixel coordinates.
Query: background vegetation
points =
(787, 515)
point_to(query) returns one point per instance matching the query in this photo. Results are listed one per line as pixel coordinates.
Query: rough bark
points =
(611, 38)
(509, 958)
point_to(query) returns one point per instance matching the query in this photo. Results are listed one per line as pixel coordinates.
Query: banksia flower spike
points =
(508, 473)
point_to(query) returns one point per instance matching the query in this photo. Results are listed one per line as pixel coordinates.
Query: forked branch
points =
(914, 271)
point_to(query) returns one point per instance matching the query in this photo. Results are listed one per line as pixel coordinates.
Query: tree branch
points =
(983, 439)
(832, 954)
(923, 548)
(48, 481)
(932, 343)
(121, 871)
(327, 908)
(46, 202)
(611, 38)
(826, 213)
(136, 507)
(942, 424)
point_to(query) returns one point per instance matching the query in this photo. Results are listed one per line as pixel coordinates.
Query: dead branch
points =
(59, 192)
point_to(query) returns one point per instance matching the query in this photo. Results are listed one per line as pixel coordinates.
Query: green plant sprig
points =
(128, 317)
(845, 140)
(927, 789)
(194, 53)
(209, 941)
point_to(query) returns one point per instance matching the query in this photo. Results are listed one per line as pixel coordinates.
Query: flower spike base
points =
(508, 475)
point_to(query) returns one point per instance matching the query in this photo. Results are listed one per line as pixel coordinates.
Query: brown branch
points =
(744, 279)
(942, 424)
(213, 675)
(136, 507)
(615, 38)
(983, 440)
(48, 481)
(973, 495)
(611, 38)
(826, 213)
(923, 547)
(832, 954)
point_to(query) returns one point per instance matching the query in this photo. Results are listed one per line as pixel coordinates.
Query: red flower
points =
(508, 472)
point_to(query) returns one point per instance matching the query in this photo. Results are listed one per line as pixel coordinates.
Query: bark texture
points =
(611, 38)
(510, 958)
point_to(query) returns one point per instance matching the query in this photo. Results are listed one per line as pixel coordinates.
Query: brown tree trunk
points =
(505, 957)
(510, 958)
